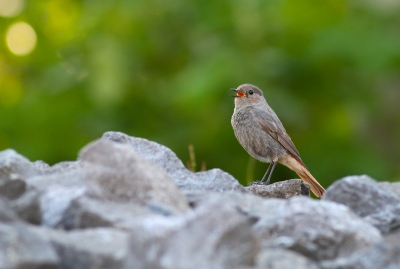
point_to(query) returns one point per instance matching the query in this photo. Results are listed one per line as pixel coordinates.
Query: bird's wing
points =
(279, 134)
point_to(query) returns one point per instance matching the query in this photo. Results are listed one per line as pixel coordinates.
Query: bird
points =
(261, 133)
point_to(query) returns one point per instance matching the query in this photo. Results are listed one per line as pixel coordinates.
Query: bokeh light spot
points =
(21, 38)
(11, 8)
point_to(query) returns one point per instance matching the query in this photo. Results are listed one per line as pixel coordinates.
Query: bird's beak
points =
(238, 93)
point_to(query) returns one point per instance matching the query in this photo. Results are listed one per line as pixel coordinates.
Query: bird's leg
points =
(270, 170)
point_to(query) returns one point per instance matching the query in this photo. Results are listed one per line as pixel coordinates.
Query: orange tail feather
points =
(304, 174)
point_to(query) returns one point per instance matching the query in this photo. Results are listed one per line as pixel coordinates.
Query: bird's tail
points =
(304, 174)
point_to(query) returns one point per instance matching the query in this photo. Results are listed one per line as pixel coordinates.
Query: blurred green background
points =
(162, 70)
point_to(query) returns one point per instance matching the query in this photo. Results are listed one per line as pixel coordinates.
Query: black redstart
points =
(261, 133)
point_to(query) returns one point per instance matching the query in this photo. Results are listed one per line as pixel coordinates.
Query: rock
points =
(14, 169)
(63, 168)
(65, 174)
(311, 230)
(87, 212)
(372, 257)
(319, 230)
(56, 188)
(125, 204)
(391, 186)
(362, 194)
(6, 212)
(28, 208)
(116, 172)
(393, 239)
(86, 249)
(247, 203)
(194, 197)
(376, 204)
(387, 220)
(55, 202)
(212, 180)
(208, 243)
(20, 248)
(199, 240)
(41, 165)
(283, 259)
(283, 189)
(13, 187)
(11, 163)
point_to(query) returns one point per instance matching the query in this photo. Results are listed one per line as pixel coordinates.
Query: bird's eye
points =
(251, 92)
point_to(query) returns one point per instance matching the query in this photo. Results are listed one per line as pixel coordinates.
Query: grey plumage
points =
(245, 122)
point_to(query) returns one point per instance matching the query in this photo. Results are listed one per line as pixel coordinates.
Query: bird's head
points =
(248, 94)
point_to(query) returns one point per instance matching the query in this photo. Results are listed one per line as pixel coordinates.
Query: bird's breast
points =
(254, 139)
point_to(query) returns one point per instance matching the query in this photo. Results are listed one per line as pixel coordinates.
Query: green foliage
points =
(162, 70)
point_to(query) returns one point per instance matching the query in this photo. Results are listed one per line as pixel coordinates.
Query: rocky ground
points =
(130, 203)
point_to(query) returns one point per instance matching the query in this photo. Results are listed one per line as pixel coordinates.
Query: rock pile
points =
(130, 203)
